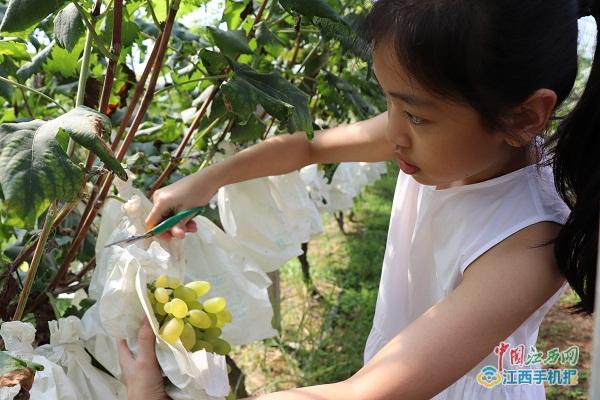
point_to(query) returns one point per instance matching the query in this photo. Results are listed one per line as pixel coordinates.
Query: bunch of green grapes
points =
(182, 316)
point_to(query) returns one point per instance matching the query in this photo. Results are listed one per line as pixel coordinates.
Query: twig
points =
(13, 83)
(92, 31)
(37, 256)
(171, 166)
(115, 49)
(87, 220)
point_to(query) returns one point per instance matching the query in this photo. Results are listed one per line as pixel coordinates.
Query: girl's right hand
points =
(192, 191)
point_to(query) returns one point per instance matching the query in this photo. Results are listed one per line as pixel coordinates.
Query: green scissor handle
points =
(174, 220)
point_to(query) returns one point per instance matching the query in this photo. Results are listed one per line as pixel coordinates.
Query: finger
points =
(125, 355)
(191, 227)
(178, 232)
(154, 217)
(146, 341)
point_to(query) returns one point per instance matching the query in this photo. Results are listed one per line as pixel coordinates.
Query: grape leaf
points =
(276, 95)
(310, 8)
(23, 14)
(63, 62)
(14, 50)
(35, 64)
(9, 363)
(36, 170)
(232, 14)
(249, 132)
(231, 43)
(68, 27)
(87, 127)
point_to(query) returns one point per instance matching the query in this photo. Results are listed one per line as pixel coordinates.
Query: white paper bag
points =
(66, 349)
(49, 384)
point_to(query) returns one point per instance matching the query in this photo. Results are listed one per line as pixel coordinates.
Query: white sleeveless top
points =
(433, 237)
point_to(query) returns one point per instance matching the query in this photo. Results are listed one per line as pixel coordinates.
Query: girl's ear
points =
(530, 118)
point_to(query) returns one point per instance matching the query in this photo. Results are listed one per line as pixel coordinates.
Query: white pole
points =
(595, 372)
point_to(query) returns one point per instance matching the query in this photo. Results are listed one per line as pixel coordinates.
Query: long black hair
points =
(492, 55)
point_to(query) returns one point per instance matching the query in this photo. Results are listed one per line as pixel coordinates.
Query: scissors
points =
(162, 227)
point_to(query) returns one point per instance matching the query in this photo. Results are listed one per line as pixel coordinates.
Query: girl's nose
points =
(399, 133)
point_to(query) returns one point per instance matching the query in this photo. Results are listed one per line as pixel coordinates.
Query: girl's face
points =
(444, 142)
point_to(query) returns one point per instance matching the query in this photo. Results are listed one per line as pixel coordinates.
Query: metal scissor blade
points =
(130, 239)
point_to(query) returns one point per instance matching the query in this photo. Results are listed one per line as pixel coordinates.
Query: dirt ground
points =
(563, 329)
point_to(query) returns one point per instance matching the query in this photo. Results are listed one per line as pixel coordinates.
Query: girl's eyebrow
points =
(411, 99)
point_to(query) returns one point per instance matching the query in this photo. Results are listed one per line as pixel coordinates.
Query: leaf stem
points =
(93, 33)
(37, 256)
(16, 84)
(205, 78)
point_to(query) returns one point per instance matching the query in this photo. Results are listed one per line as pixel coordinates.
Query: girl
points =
(480, 240)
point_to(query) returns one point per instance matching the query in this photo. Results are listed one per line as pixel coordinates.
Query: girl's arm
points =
(500, 290)
(361, 141)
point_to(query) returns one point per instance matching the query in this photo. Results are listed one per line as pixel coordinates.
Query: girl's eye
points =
(413, 119)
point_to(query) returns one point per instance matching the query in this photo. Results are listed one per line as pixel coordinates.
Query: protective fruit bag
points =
(269, 217)
(120, 287)
(49, 384)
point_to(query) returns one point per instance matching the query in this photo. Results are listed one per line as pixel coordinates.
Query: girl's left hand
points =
(141, 374)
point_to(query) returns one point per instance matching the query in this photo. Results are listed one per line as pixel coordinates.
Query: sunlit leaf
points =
(68, 27)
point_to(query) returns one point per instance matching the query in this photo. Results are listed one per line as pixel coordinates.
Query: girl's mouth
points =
(407, 168)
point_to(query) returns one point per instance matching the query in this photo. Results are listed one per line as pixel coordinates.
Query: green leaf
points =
(268, 40)
(68, 27)
(87, 127)
(310, 8)
(63, 62)
(213, 62)
(35, 64)
(35, 171)
(14, 50)
(276, 95)
(9, 363)
(232, 14)
(23, 14)
(249, 132)
(231, 43)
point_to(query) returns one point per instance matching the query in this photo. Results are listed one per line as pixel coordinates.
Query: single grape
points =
(212, 333)
(225, 316)
(186, 294)
(201, 344)
(178, 308)
(161, 281)
(199, 319)
(174, 283)
(159, 309)
(161, 295)
(220, 346)
(171, 330)
(215, 305)
(200, 287)
(195, 305)
(168, 307)
(151, 297)
(213, 319)
(188, 336)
